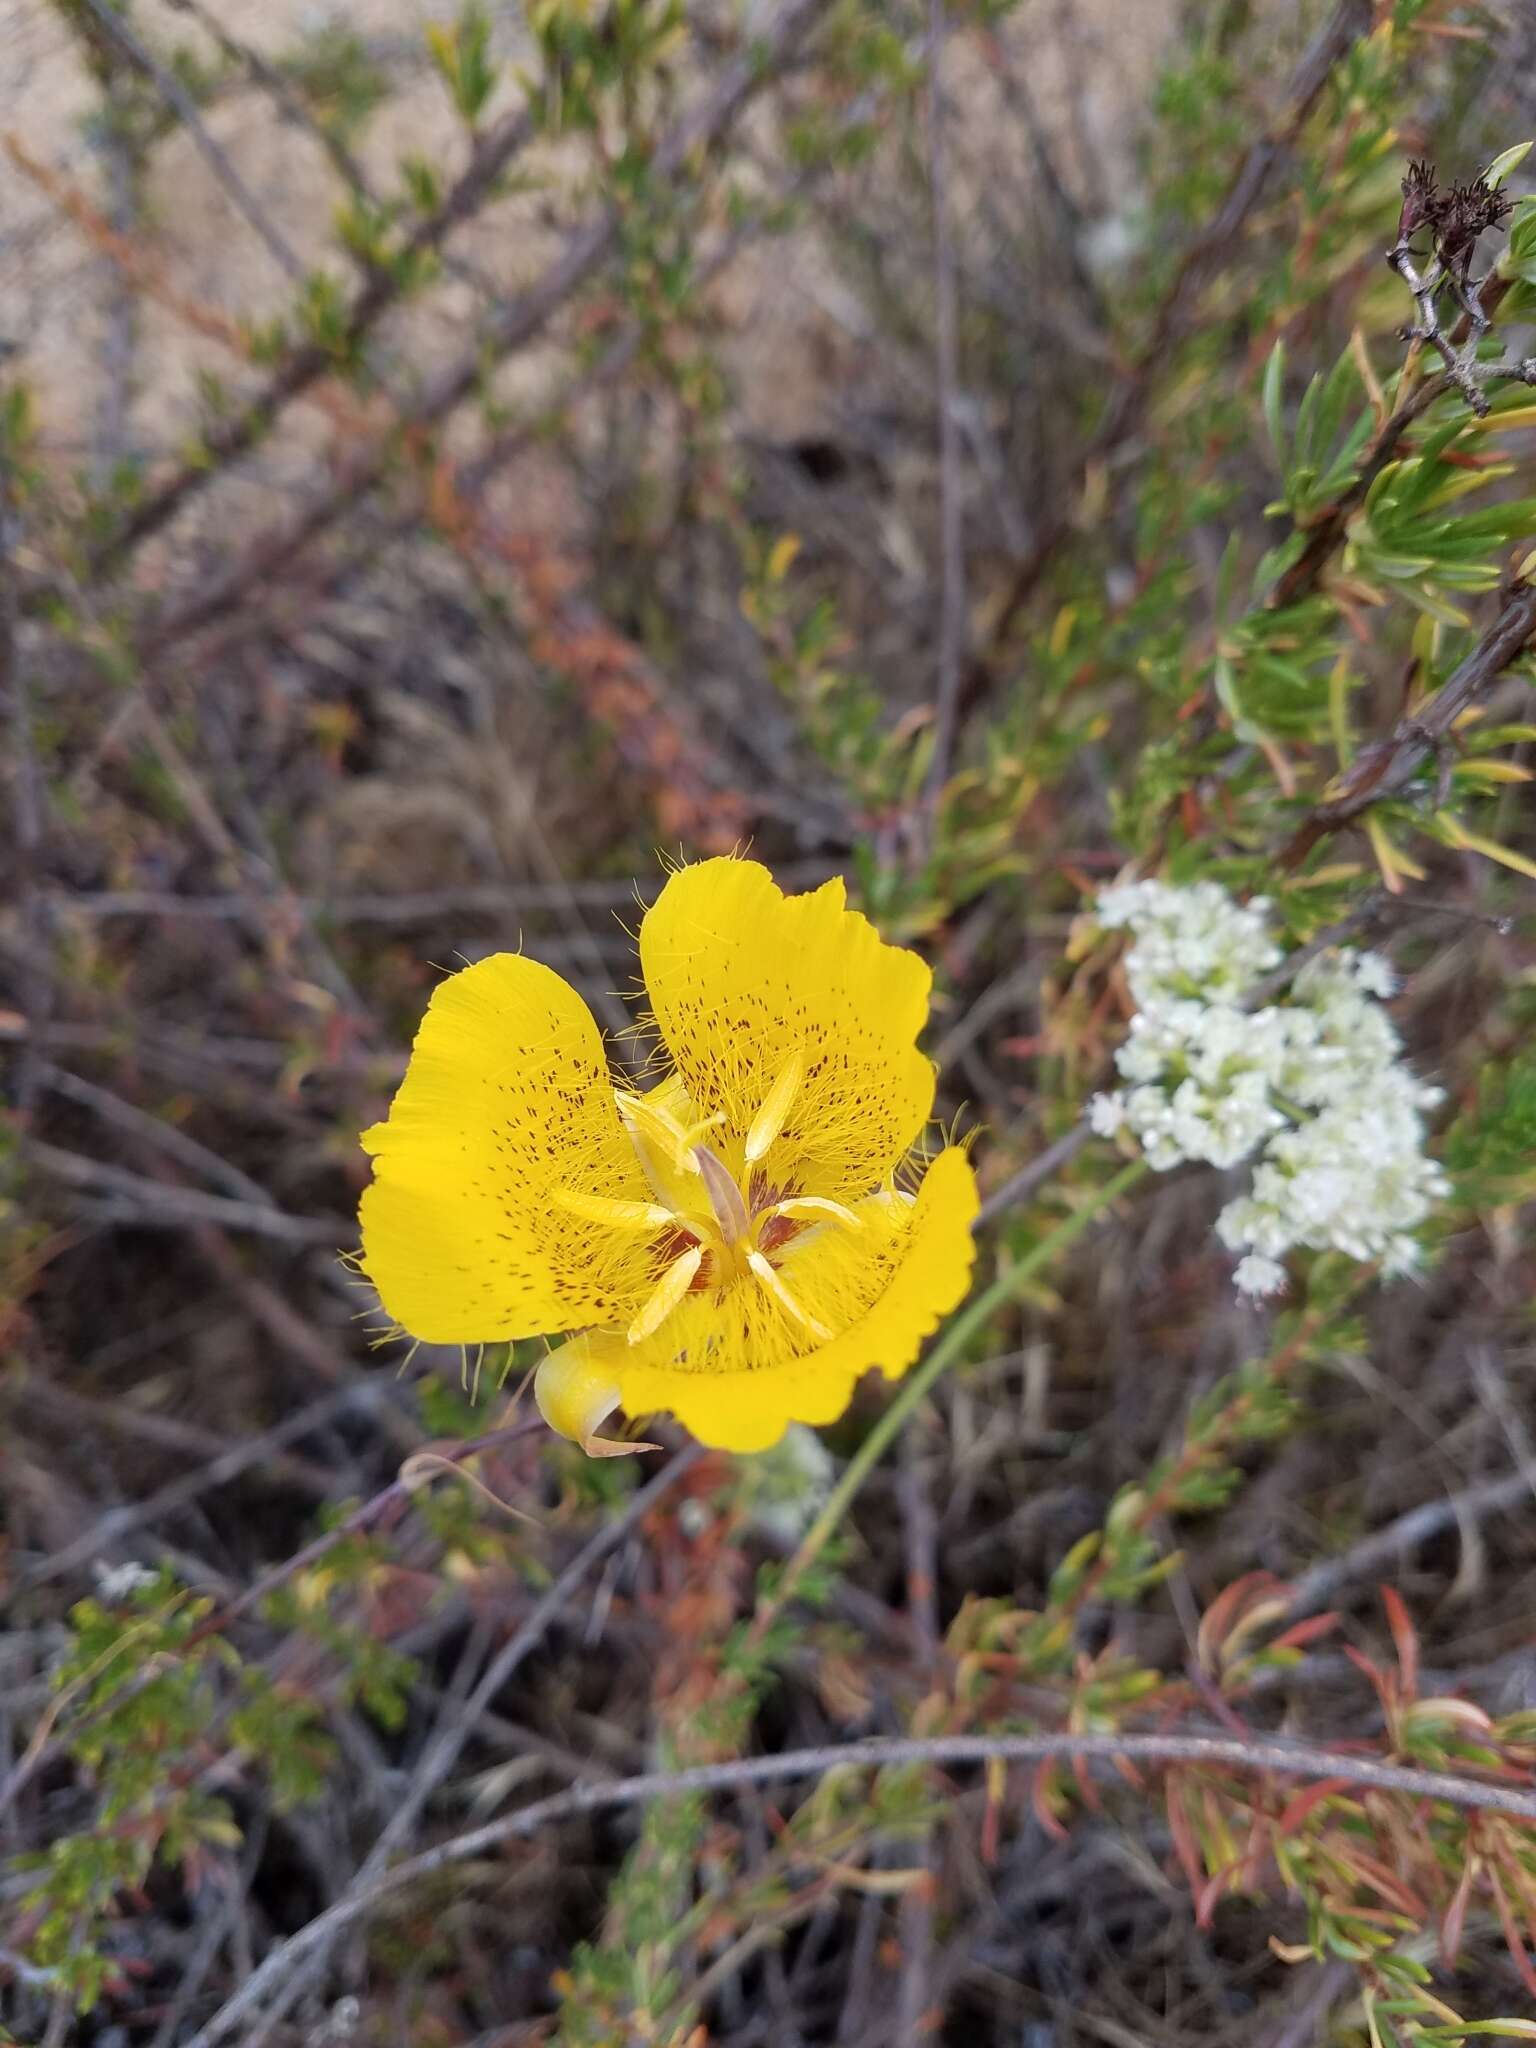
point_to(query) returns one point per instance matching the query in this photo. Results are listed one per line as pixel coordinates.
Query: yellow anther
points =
(781, 1294)
(659, 1128)
(669, 1291)
(816, 1205)
(618, 1215)
(769, 1121)
(656, 1126)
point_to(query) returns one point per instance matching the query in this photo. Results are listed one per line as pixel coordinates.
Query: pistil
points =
(724, 1198)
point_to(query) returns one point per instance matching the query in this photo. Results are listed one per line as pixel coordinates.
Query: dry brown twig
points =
(951, 636)
(114, 29)
(380, 1511)
(146, 273)
(311, 363)
(1326, 529)
(588, 247)
(1286, 1759)
(277, 1973)
(1350, 21)
(1387, 766)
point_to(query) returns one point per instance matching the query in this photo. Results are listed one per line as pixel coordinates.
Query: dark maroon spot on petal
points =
(777, 1231)
(670, 1246)
(704, 1277)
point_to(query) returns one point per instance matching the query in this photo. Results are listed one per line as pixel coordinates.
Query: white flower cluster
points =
(1314, 1083)
(116, 1583)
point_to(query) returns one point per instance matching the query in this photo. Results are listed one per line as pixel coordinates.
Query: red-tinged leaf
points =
(1306, 1632)
(1386, 1690)
(1209, 1893)
(1456, 1912)
(1512, 1940)
(1406, 1639)
(1220, 1707)
(1305, 1802)
(991, 1827)
(1369, 1916)
(1185, 1847)
(1386, 1884)
(1225, 1611)
(1040, 1801)
(1023, 1048)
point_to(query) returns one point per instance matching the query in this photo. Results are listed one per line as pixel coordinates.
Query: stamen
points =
(619, 1215)
(781, 1294)
(769, 1121)
(724, 1196)
(670, 1289)
(817, 1205)
(650, 1123)
(660, 1128)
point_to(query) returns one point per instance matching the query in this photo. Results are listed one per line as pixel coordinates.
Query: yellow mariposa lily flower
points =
(732, 1243)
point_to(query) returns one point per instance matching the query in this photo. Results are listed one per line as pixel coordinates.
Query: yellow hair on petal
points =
(506, 1101)
(745, 980)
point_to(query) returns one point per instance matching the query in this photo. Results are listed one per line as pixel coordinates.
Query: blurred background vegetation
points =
(449, 465)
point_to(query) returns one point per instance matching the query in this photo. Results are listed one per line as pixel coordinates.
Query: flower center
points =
(709, 1227)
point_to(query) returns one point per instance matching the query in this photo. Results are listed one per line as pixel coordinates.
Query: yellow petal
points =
(506, 1101)
(742, 978)
(733, 1373)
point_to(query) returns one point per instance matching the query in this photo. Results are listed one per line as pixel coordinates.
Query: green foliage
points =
(138, 1693)
(1318, 455)
(1491, 1147)
(321, 313)
(148, 1693)
(338, 77)
(368, 1671)
(462, 54)
(651, 1912)
(595, 62)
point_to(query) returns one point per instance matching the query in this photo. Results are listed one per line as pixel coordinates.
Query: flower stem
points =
(956, 1335)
